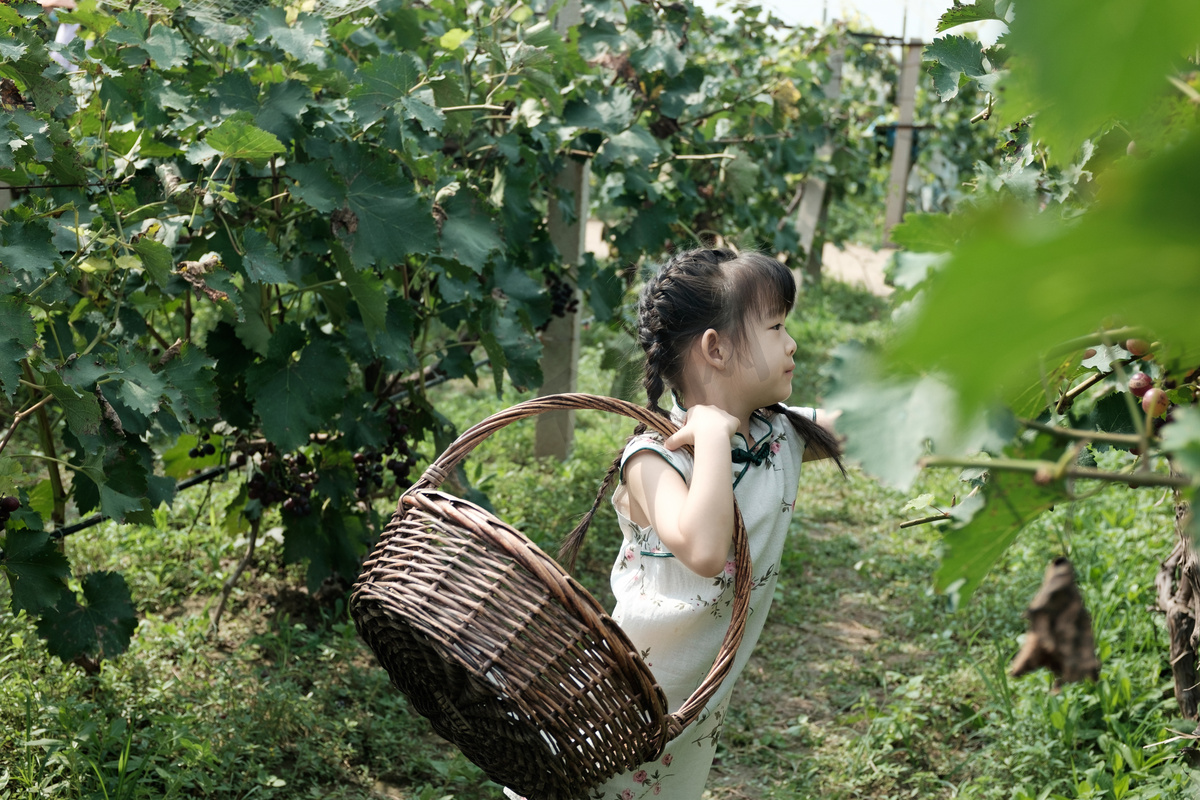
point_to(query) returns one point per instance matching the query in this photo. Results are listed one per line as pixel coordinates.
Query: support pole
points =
(814, 209)
(555, 430)
(910, 68)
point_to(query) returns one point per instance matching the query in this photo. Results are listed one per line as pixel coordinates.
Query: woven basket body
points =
(505, 653)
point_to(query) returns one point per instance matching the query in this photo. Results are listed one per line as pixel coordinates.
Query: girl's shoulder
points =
(652, 441)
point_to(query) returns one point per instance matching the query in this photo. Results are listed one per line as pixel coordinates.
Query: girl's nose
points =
(791, 345)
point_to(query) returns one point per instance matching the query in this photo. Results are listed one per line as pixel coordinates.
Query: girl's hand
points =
(703, 422)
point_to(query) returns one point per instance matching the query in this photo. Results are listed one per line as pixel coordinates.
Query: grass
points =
(865, 684)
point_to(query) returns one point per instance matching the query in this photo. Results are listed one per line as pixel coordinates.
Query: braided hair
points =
(692, 292)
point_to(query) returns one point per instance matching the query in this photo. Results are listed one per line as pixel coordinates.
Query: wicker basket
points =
(510, 658)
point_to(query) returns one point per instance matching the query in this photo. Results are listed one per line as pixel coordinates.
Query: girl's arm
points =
(695, 522)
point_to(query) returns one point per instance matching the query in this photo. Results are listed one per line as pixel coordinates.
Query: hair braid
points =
(650, 338)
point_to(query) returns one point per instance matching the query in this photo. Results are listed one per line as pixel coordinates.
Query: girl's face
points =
(764, 366)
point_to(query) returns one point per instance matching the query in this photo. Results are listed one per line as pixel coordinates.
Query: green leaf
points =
(82, 411)
(887, 423)
(36, 569)
(391, 220)
(431, 119)
(932, 233)
(522, 352)
(631, 147)
(448, 92)
(261, 261)
(236, 138)
(1080, 63)
(25, 248)
(395, 342)
(315, 185)
(369, 293)
(611, 112)
(141, 389)
(954, 57)
(303, 41)
(297, 396)
(662, 53)
(453, 38)
(386, 81)
(167, 47)
(1181, 438)
(17, 336)
(980, 11)
(468, 233)
(1012, 500)
(156, 258)
(1104, 357)
(101, 627)
(1064, 280)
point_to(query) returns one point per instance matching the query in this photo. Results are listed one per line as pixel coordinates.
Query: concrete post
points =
(910, 68)
(555, 431)
(813, 209)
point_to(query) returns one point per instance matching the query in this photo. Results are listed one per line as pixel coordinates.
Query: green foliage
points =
(262, 235)
(1081, 237)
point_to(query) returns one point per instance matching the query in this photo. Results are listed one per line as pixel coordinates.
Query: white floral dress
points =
(677, 619)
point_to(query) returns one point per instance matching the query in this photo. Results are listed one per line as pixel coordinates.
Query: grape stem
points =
(237, 573)
(20, 417)
(1052, 468)
(1075, 433)
(1068, 399)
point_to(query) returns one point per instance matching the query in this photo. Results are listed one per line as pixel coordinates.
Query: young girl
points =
(711, 323)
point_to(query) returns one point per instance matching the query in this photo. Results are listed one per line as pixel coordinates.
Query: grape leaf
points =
(522, 351)
(36, 569)
(167, 47)
(1079, 63)
(1061, 280)
(82, 411)
(17, 335)
(101, 627)
(156, 258)
(979, 11)
(297, 397)
(391, 221)
(236, 138)
(141, 389)
(262, 261)
(329, 542)
(954, 57)
(368, 292)
(25, 248)
(971, 548)
(662, 53)
(610, 113)
(303, 41)
(386, 81)
(468, 233)
(1181, 438)
(1102, 360)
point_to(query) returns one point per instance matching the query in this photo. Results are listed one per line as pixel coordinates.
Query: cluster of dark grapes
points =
(203, 448)
(401, 458)
(563, 299)
(370, 463)
(8, 504)
(289, 481)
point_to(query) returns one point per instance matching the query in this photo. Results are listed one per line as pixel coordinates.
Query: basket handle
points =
(444, 465)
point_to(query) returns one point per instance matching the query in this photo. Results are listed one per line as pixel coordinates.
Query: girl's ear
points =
(713, 349)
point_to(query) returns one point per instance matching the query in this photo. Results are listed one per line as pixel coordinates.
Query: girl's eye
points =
(777, 327)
